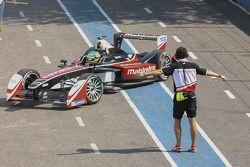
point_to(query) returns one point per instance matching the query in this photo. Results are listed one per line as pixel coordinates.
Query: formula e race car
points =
(84, 80)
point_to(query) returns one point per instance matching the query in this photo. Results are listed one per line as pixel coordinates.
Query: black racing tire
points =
(94, 87)
(163, 59)
(29, 76)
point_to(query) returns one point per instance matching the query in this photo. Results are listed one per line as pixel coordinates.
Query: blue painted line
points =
(156, 108)
(151, 100)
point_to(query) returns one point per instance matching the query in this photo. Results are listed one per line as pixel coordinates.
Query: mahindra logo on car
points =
(141, 70)
(141, 36)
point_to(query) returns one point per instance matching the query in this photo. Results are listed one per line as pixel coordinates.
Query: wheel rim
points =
(94, 89)
(165, 61)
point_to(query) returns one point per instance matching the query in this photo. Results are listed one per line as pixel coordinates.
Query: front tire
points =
(94, 88)
(29, 76)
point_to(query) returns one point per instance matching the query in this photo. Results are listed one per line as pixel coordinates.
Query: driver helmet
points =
(99, 46)
(93, 57)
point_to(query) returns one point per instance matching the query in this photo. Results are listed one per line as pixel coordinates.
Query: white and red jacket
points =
(184, 75)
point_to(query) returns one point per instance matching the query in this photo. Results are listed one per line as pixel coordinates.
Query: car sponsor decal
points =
(78, 102)
(163, 38)
(140, 70)
(133, 71)
(139, 36)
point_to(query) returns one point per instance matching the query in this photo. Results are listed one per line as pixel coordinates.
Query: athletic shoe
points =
(176, 148)
(193, 149)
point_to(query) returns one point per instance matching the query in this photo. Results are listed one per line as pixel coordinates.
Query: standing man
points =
(184, 77)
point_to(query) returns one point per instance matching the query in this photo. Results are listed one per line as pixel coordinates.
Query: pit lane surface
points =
(45, 136)
(220, 41)
(71, 143)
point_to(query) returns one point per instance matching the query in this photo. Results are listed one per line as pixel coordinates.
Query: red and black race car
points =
(82, 82)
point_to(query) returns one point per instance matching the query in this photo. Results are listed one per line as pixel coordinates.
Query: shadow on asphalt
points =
(178, 13)
(116, 151)
(10, 107)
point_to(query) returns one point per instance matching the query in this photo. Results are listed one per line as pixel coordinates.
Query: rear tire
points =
(94, 87)
(163, 60)
(29, 76)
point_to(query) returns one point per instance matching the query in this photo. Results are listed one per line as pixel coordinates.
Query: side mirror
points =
(64, 63)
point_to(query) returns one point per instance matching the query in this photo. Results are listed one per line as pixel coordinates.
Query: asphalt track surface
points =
(216, 32)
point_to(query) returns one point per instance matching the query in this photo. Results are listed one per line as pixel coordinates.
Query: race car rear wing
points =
(161, 39)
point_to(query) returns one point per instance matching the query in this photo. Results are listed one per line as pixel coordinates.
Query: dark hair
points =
(181, 53)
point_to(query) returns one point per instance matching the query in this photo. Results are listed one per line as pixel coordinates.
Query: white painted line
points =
(210, 142)
(167, 90)
(192, 55)
(95, 148)
(75, 24)
(213, 77)
(239, 6)
(29, 28)
(202, 132)
(149, 130)
(15, 2)
(229, 94)
(162, 24)
(46, 59)
(148, 10)
(80, 122)
(248, 114)
(21, 14)
(38, 43)
(177, 39)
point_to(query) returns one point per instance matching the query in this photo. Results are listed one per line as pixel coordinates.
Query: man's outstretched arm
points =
(214, 74)
(155, 73)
